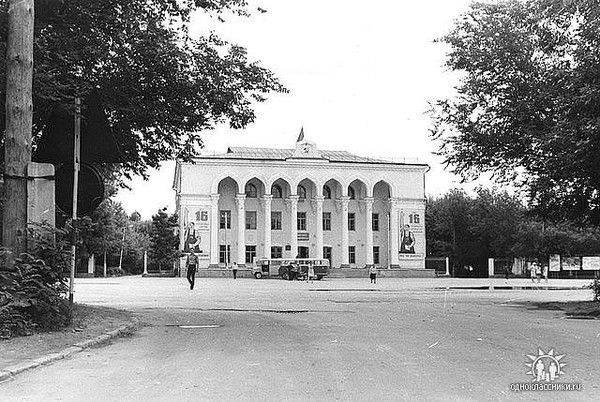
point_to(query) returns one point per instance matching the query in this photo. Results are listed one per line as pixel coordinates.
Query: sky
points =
(360, 76)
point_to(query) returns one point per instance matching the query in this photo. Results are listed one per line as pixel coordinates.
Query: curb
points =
(9, 372)
(510, 287)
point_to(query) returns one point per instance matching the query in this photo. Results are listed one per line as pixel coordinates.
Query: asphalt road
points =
(337, 339)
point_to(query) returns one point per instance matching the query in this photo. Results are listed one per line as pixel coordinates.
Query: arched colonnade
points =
(345, 219)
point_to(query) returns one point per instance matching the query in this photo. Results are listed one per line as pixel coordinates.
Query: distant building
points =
(259, 202)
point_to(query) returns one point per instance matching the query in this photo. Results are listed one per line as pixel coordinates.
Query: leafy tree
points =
(137, 241)
(164, 243)
(472, 229)
(159, 86)
(527, 106)
(109, 230)
(495, 224)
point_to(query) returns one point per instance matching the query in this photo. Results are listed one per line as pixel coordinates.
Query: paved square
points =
(336, 339)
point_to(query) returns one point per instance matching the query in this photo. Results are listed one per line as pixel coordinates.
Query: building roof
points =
(283, 154)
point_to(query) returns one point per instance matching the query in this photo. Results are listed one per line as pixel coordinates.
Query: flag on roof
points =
(301, 136)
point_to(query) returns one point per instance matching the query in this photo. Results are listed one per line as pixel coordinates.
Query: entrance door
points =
(327, 254)
(302, 252)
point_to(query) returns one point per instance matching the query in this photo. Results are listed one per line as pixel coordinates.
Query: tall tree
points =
(164, 243)
(527, 108)
(472, 229)
(159, 86)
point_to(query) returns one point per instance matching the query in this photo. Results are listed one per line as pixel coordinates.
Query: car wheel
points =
(257, 275)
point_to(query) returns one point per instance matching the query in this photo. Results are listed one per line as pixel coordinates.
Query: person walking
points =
(538, 272)
(234, 269)
(191, 263)
(545, 272)
(310, 274)
(373, 274)
(532, 269)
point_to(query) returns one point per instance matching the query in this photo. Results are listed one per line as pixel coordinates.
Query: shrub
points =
(115, 271)
(32, 291)
(32, 297)
(595, 286)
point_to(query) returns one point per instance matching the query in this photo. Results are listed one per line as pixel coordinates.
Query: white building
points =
(258, 202)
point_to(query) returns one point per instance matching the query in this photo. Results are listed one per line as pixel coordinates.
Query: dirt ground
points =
(88, 322)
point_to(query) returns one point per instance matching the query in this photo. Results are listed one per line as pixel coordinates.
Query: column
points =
(267, 198)
(240, 200)
(214, 231)
(318, 202)
(368, 202)
(394, 233)
(293, 203)
(345, 261)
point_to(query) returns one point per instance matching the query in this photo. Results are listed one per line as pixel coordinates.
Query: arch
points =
(258, 185)
(360, 189)
(277, 178)
(301, 191)
(309, 186)
(276, 191)
(251, 191)
(351, 192)
(336, 187)
(214, 188)
(284, 185)
(226, 182)
(383, 187)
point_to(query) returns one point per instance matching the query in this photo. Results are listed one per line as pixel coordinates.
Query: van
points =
(290, 268)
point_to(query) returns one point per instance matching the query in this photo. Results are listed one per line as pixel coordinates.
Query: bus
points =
(290, 268)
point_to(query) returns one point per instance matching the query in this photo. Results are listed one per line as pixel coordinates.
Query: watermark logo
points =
(545, 369)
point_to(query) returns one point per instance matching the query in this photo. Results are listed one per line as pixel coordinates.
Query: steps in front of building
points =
(382, 272)
(334, 273)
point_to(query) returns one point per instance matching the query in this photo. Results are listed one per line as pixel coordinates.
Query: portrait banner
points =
(196, 234)
(411, 228)
(554, 263)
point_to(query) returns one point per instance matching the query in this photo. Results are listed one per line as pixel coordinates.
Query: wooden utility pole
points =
(19, 115)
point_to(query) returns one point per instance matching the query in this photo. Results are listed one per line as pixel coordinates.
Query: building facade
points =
(258, 202)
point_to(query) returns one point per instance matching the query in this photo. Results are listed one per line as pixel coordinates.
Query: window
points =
(327, 192)
(224, 253)
(302, 192)
(301, 221)
(351, 193)
(375, 222)
(250, 254)
(276, 191)
(276, 252)
(352, 254)
(326, 220)
(251, 191)
(351, 221)
(251, 220)
(375, 254)
(224, 219)
(276, 220)
(303, 252)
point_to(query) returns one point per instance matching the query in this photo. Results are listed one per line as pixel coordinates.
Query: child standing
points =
(373, 274)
